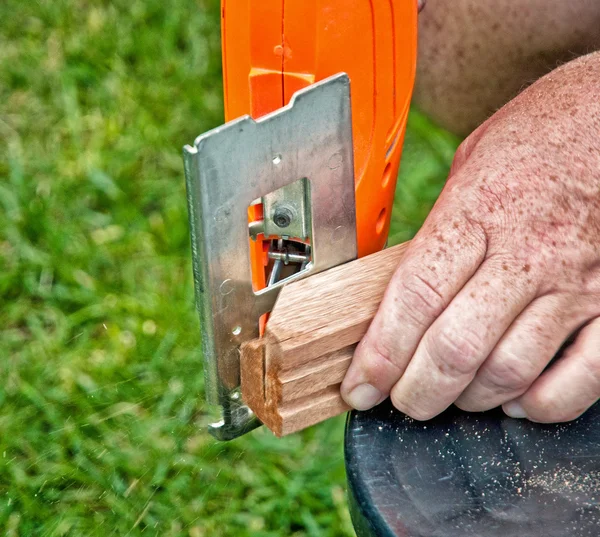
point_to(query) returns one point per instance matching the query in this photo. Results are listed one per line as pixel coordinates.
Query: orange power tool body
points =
(317, 94)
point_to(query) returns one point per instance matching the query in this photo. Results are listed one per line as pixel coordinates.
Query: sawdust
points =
(571, 480)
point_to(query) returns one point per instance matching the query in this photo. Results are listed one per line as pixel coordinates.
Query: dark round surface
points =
(472, 475)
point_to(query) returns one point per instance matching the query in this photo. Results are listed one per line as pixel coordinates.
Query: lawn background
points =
(102, 414)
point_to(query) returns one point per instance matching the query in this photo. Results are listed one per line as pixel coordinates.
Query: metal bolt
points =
(283, 216)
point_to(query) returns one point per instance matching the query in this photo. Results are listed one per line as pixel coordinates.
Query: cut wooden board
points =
(291, 377)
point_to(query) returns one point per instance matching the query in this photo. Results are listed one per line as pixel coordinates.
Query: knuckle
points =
(508, 374)
(590, 286)
(474, 231)
(520, 277)
(421, 298)
(379, 361)
(548, 406)
(455, 353)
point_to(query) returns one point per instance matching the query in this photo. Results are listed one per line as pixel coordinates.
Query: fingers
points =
(436, 266)
(569, 387)
(460, 340)
(522, 354)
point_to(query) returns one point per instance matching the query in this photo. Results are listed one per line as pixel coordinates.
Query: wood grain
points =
(290, 378)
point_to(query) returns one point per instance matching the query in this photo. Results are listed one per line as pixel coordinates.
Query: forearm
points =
(475, 55)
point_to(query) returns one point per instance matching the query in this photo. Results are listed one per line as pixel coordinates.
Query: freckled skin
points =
(515, 241)
(476, 55)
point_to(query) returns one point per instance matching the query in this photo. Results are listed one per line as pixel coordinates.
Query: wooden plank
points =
(291, 377)
(313, 376)
(252, 379)
(330, 310)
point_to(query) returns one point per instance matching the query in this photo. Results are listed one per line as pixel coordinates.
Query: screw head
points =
(282, 216)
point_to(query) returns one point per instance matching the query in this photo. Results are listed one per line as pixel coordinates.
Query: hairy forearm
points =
(475, 55)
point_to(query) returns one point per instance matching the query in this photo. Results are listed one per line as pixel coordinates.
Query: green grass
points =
(102, 414)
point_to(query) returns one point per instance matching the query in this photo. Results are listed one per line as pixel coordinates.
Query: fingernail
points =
(363, 397)
(514, 410)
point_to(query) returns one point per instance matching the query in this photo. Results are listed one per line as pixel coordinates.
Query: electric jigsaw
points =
(302, 176)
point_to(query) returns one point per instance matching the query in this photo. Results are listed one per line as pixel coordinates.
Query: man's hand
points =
(504, 270)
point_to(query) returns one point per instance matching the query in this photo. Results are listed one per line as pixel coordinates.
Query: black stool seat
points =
(472, 475)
